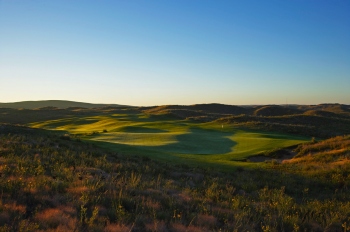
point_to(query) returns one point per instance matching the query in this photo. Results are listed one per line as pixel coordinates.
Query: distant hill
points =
(275, 110)
(334, 108)
(219, 108)
(198, 110)
(54, 103)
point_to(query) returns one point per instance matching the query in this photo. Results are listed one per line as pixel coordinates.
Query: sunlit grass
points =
(140, 139)
(58, 183)
(173, 139)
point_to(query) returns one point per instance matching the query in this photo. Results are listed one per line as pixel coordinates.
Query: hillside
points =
(53, 103)
(53, 182)
(275, 111)
(322, 121)
(325, 120)
(263, 110)
(311, 125)
(25, 116)
(333, 108)
(202, 109)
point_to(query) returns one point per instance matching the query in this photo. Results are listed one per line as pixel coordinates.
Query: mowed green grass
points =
(173, 140)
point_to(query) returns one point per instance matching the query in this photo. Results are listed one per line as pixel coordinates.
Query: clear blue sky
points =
(175, 52)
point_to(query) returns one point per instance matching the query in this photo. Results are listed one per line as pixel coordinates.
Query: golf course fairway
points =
(173, 140)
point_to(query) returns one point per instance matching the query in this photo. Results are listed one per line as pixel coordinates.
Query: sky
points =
(182, 52)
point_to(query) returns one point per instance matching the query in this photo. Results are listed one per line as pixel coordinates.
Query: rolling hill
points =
(53, 103)
(275, 111)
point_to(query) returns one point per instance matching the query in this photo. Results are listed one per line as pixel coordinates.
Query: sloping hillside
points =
(334, 108)
(275, 111)
(24, 116)
(201, 112)
(219, 109)
(52, 103)
(58, 183)
(312, 125)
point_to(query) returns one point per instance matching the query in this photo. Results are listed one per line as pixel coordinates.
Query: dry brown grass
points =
(206, 220)
(183, 197)
(157, 226)
(15, 207)
(4, 217)
(77, 189)
(338, 143)
(150, 203)
(57, 218)
(115, 227)
(178, 227)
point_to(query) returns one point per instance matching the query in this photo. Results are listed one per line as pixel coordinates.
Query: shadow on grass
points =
(200, 142)
(140, 129)
(137, 117)
(69, 122)
(272, 135)
(197, 141)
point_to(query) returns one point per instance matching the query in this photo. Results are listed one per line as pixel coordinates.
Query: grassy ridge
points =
(53, 103)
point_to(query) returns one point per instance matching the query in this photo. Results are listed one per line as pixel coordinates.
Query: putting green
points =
(172, 139)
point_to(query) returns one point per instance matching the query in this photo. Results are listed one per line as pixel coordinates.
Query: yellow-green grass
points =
(173, 140)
